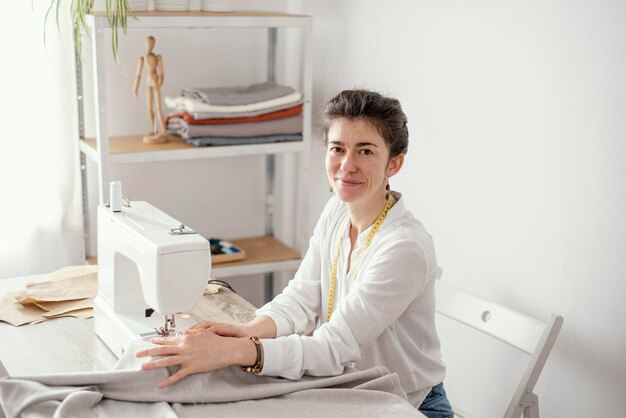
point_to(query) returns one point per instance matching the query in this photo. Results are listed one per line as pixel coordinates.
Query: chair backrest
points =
(491, 373)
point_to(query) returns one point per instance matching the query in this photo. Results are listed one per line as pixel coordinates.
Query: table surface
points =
(64, 344)
(60, 345)
(55, 346)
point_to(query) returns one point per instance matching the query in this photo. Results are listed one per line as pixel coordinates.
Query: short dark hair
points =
(385, 113)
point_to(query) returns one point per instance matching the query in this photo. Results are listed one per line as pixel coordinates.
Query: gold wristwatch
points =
(258, 365)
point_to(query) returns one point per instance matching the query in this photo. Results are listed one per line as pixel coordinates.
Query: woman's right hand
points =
(262, 326)
(223, 329)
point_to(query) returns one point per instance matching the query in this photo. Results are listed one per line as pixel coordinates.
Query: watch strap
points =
(258, 364)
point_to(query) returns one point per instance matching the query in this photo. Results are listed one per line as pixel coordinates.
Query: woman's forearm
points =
(244, 352)
(263, 327)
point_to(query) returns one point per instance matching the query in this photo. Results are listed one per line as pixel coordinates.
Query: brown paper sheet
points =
(77, 313)
(15, 313)
(64, 306)
(69, 292)
(68, 283)
(65, 292)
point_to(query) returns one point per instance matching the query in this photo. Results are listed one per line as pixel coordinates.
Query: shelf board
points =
(235, 13)
(263, 249)
(264, 254)
(202, 19)
(132, 149)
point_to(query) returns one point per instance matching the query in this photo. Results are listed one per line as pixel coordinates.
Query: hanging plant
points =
(117, 13)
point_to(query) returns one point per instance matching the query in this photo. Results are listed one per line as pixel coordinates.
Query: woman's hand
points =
(223, 329)
(196, 352)
(262, 326)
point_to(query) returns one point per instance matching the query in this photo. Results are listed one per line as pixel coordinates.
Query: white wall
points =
(516, 164)
(517, 159)
(39, 211)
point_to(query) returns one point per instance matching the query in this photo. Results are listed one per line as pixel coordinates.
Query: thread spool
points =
(115, 196)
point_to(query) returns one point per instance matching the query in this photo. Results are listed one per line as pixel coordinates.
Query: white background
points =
(516, 163)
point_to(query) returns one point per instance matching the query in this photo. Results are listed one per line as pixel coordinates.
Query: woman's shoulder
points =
(330, 218)
(333, 208)
(405, 228)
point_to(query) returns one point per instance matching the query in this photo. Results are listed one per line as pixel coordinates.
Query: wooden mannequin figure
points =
(154, 81)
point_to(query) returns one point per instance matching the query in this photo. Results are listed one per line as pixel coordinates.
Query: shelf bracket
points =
(272, 38)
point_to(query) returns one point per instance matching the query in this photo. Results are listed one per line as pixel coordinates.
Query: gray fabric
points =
(213, 115)
(129, 391)
(122, 409)
(313, 403)
(289, 125)
(23, 398)
(212, 140)
(237, 95)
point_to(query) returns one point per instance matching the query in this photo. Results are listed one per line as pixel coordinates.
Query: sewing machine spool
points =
(115, 193)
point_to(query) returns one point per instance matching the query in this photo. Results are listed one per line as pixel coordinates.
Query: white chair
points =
(481, 379)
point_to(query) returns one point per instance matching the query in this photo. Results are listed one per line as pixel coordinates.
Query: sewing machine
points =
(147, 262)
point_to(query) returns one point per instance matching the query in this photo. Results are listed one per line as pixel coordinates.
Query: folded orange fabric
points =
(279, 114)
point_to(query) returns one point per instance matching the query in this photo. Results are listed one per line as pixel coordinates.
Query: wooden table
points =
(71, 345)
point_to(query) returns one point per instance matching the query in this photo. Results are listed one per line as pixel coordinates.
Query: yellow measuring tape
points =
(333, 272)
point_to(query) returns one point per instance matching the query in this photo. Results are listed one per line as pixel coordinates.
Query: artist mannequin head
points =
(150, 41)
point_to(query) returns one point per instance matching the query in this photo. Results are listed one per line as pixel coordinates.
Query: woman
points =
(364, 293)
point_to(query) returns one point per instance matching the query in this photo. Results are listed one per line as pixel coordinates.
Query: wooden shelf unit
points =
(264, 254)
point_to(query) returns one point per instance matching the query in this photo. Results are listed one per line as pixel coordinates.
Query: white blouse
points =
(384, 317)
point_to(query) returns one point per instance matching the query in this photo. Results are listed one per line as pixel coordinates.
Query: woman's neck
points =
(362, 216)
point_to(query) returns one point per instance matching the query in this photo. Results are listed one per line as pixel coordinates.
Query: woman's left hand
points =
(197, 352)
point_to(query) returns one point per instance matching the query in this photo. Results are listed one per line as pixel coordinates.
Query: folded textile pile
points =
(130, 391)
(258, 113)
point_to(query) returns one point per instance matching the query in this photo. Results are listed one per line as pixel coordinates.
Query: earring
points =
(330, 189)
(388, 190)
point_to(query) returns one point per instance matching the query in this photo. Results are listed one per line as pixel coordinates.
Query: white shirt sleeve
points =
(296, 309)
(394, 276)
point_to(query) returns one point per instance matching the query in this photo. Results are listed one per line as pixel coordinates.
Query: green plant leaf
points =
(117, 12)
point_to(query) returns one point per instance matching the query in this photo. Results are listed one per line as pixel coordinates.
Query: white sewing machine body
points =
(145, 261)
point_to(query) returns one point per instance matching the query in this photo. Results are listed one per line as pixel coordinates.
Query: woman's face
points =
(357, 161)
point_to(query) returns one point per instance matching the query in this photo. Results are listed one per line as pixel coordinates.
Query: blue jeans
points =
(436, 404)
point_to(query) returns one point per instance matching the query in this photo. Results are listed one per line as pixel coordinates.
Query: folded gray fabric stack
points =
(286, 126)
(257, 113)
(237, 95)
(129, 391)
(216, 140)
